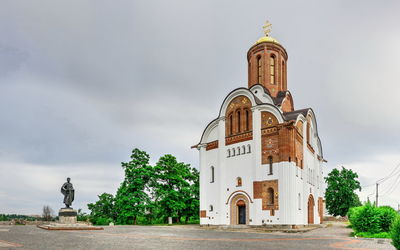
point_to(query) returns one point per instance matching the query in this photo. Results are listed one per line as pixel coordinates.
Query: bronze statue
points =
(68, 191)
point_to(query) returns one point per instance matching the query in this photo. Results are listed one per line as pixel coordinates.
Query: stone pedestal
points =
(67, 216)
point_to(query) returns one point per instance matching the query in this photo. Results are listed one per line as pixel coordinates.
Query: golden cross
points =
(267, 28)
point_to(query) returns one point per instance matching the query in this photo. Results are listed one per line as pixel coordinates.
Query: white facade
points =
(220, 167)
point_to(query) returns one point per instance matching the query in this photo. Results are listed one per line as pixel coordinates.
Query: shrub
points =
(386, 217)
(365, 219)
(395, 233)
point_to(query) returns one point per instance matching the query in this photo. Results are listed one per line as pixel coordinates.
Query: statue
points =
(68, 191)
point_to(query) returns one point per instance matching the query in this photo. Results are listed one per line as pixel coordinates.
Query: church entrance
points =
(239, 207)
(242, 212)
(310, 209)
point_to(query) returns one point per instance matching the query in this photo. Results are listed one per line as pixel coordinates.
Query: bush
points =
(370, 219)
(395, 233)
(386, 217)
(365, 219)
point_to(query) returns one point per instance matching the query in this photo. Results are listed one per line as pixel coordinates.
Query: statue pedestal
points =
(67, 216)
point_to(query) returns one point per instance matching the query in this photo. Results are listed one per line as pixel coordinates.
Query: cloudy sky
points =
(82, 83)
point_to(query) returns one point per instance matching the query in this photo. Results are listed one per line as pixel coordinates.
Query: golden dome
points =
(267, 39)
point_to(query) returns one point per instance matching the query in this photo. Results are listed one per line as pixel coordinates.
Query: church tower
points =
(267, 60)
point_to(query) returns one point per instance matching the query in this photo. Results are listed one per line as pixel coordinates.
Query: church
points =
(261, 159)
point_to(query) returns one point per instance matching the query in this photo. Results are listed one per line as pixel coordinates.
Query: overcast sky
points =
(82, 83)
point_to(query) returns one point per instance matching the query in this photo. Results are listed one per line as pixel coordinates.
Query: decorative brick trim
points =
(212, 145)
(239, 138)
(203, 214)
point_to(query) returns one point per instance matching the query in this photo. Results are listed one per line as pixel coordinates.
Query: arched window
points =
(229, 153)
(212, 174)
(272, 68)
(243, 149)
(308, 132)
(233, 152)
(211, 208)
(238, 121)
(248, 149)
(238, 182)
(238, 150)
(259, 68)
(270, 165)
(247, 120)
(230, 124)
(270, 193)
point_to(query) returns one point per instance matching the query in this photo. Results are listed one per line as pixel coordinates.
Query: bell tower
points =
(267, 63)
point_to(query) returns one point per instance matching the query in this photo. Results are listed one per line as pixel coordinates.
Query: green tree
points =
(340, 194)
(103, 209)
(132, 198)
(192, 199)
(171, 187)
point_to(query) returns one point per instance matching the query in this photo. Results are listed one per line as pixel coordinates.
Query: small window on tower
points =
(243, 149)
(211, 208)
(272, 68)
(228, 153)
(259, 69)
(248, 149)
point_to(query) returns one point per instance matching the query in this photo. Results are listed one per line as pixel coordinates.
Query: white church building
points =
(260, 159)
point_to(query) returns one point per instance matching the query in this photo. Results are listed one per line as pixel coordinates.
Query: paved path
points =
(181, 237)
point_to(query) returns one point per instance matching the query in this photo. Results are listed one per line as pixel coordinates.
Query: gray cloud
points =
(84, 82)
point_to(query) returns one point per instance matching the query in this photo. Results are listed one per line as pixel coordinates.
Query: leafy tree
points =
(192, 199)
(171, 186)
(340, 193)
(103, 208)
(132, 197)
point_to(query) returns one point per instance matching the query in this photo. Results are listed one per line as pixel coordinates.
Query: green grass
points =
(385, 235)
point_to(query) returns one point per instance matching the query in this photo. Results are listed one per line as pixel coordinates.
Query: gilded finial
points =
(267, 28)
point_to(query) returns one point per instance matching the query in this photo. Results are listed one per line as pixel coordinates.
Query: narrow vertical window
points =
(230, 125)
(259, 63)
(283, 75)
(212, 174)
(229, 153)
(270, 165)
(299, 201)
(238, 122)
(248, 149)
(211, 208)
(272, 68)
(270, 196)
(243, 149)
(247, 120)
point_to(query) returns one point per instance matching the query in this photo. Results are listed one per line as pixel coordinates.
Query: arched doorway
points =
(310, 209)
(239, 207)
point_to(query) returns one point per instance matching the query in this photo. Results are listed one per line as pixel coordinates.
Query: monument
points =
(68, 215)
